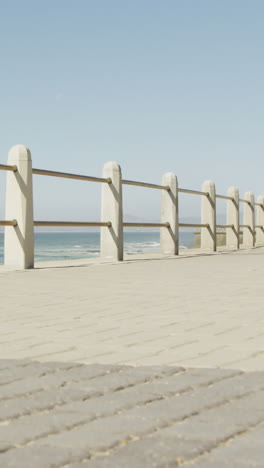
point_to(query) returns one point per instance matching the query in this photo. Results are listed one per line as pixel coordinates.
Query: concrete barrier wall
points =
(19, 223)
(220, 239)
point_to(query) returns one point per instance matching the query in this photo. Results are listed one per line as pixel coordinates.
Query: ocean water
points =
(75, 245)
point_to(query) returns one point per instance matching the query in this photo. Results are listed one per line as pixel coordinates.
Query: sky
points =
(158, 86)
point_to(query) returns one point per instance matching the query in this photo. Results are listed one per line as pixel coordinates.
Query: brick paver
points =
(82, 415)
(150, 363)
(192, 311)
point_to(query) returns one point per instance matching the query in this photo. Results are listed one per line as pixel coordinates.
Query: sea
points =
(52, 246)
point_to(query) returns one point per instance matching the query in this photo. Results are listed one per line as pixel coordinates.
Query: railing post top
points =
(261, 199)
(209, 187)
(249, 195)
(19, 153)
(170, 174)
(169, 178)
(233, 190)
(209, 183)
(112, 166)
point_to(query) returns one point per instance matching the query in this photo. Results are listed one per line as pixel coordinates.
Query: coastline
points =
(58, 246)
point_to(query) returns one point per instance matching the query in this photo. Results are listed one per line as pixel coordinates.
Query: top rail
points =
(194, 192)
(67, 175)
(5, 167)
(244, 201)
(206, 225)
(224, 197)
(167, 225)
(144, 184)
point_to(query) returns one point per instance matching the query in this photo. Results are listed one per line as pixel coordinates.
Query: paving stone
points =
(255, 434)
(142, 393)
(52, 306)
(102, 434)
(117, 415)
(40, 401)
(62, 377)
(208, 430)
(254, 401)
(115, 381)
(209, 461)
(246, 454)
(182, 382)
(228, 389)
(169, 409)
(37, 369)
(155, 452)
(109, 403)
(35, 457)
(32, 427)
(240, 417)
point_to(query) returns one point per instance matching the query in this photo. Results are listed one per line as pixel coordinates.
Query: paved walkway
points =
(149, 362)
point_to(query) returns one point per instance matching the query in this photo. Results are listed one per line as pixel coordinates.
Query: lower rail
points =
(167, 225)
(12, 222)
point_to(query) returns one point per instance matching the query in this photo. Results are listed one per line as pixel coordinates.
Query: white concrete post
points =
(208, 235)
(19, 240)
(169, 237)
(248, 219)
(260, 221)
(112, 210)
(232, 218)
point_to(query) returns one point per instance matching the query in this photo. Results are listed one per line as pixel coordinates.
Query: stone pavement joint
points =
(153, 415)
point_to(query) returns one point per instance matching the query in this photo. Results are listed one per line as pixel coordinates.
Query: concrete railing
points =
(19, 223)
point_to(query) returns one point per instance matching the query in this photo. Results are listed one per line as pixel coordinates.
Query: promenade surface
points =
(145, 363)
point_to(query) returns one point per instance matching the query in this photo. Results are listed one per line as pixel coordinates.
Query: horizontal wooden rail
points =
(259, 226)
(259, 204)
(145, 184)
(167, 225)
(66, 175)
(194, 192)
(194, 225)
(245, 226)
(5, 167)
(223, 226)
(13, 222)
(71, 223)
(224, 197)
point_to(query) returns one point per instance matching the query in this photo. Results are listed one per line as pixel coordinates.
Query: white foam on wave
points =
(141, 247)
(62, 249)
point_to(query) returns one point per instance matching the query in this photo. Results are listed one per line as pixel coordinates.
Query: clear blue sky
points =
(172, 85)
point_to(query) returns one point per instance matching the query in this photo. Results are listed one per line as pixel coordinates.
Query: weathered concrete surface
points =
(192, 326)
